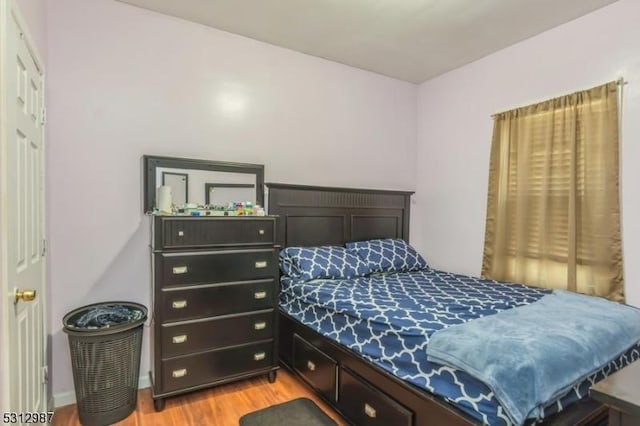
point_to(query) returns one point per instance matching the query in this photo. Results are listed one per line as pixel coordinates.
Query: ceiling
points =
(412, 40)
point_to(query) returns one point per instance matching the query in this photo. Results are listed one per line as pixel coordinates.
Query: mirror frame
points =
(186, 182)
(152, 162)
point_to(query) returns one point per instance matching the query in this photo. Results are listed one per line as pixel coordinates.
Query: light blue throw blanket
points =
(533, 354)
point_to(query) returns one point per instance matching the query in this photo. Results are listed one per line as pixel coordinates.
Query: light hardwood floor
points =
(218, 406)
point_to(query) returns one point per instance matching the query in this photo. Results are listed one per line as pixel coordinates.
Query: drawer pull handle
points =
(311, 366)
(259, 294)
(179, 304)
(261, 232)
(259, 356)
(179, 373)
(260, 325)
(177, 270)
(369, 411)
(179, 339)
(261, 265)
(180, 233)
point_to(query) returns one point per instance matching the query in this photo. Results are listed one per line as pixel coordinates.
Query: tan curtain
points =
(553, 215)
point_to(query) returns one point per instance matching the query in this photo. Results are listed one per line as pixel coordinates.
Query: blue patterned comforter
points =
(388, 319)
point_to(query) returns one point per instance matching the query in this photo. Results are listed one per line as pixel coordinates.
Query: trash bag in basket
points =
(106, 315)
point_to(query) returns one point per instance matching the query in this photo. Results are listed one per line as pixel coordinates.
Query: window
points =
(553, 203)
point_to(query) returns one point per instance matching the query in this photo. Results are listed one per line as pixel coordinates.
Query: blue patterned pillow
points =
(389, 255)
(328, 262)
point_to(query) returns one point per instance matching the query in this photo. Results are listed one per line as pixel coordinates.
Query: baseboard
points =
(68, 398)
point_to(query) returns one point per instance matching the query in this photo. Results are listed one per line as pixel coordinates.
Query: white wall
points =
(454, 130)
(124, 82)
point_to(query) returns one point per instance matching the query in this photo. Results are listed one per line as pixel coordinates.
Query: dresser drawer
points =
(318, 369)
(203, 368)
(365, 405)
(221, 231)
(184, 303)
(217, 266)
(218, 332)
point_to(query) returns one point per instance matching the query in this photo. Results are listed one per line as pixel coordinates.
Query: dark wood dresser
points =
(621, 393)
(215, 294)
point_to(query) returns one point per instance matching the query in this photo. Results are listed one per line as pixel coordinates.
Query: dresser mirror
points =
(201, 182)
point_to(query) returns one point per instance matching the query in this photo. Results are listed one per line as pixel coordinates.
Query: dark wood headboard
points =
(315, 215)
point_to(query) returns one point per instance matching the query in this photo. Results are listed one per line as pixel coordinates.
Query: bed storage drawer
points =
(317, 369)
(218, 299)
(208, 232)
(216, 332)
(198, 369)
(217, 266)
(366, 405)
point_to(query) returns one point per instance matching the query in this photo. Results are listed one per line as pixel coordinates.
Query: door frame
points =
(9, 8)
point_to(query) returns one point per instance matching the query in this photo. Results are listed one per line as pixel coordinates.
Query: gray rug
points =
(298, 412)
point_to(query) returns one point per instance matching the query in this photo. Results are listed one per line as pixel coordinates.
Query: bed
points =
(372, 366)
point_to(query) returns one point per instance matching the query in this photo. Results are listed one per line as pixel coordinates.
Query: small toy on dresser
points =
(234, 208)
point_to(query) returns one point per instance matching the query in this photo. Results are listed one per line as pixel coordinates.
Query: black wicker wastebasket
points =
(106, 363)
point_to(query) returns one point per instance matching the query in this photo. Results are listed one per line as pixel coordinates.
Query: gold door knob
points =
(25, 295)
